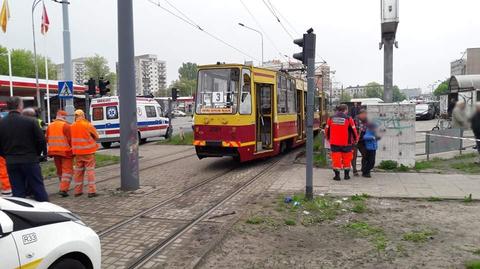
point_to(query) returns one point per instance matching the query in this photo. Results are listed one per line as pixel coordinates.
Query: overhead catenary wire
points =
(276, 13)
(278, 19)
(190, 22)
(261, 28)
(279, 14)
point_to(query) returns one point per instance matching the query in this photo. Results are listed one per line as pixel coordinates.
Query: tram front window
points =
(217, 91)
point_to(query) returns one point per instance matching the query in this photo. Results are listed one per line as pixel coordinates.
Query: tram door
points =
(300, 119)
(264, 116)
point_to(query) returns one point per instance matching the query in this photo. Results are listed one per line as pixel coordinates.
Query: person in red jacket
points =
(342, 135)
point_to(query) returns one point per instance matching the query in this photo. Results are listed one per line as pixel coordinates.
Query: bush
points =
(388, 165)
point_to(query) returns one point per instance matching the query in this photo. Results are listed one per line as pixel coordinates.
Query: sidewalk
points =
(393, 185)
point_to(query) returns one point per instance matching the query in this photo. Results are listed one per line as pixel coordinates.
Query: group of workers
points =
(346, 136)
(23, 145)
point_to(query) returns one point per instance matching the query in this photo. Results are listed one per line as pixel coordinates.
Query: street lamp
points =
(260, 33)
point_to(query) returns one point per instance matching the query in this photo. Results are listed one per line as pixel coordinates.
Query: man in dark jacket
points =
(476, 126)
(21, 144)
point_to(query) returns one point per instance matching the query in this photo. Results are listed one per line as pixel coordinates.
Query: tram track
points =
(157, 248)
(110, 169)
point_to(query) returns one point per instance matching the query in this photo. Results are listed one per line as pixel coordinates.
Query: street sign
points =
(65, 89)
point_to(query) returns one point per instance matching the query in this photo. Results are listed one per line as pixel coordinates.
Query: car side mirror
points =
(6, 224)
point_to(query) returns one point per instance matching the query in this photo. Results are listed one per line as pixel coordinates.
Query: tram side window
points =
(317, 103)
(291, 100)
(282, 94)
(246, 96)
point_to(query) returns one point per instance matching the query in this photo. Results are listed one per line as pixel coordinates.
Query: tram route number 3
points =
(217, 97)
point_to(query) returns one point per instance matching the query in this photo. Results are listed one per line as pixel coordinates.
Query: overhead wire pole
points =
(128, 104)
(255, 30)
(67, 57)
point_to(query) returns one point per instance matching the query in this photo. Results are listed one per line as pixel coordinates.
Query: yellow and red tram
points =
(249, 113)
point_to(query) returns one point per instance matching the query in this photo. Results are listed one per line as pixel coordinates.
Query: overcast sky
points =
(431, 33)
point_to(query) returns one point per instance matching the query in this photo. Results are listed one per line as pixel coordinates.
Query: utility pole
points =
(307, 56)
(67, 58)
(37, 85)
(128, 101)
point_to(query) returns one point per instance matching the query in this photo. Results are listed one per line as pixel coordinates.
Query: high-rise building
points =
(469, 64)
(79, 75)
(150, 74)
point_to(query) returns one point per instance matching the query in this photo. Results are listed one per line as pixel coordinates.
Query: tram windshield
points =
(217, 91)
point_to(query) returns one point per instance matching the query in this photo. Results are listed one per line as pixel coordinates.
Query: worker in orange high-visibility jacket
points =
(84, 146)
(4, 180)
(59, 147)
(342, 135)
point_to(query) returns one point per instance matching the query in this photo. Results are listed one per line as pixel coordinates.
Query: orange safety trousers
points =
(64, 171)
(342, 160)
(84, 168)
(4, 180)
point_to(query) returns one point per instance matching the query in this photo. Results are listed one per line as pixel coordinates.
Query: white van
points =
(105, 117)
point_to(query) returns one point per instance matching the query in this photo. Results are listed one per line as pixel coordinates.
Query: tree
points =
(97, 67)
(398, 96)
(188, 71)
(374, 90)
(23, 64)
(345, 97)
(442, 88)
(187, 79)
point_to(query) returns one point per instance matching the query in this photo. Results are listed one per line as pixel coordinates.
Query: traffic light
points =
(174, 94)
(307, 43)
(102, 85)
(91, 87)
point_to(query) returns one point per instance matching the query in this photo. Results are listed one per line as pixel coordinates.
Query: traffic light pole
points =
(67, 59)
(310, 110)
(128, 100)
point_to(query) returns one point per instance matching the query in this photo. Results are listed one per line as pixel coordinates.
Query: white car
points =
(42, 235)
(178, 113)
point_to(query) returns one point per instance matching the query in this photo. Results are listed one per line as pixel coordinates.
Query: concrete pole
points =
(388, 70)
(67, 59)
(128, 102)
(310, 109)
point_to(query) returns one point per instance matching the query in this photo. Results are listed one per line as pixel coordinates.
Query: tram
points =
(249, 113)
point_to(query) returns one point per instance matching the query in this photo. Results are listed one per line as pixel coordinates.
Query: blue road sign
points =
(65, 89)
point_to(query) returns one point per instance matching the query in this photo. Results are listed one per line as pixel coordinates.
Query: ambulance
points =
(42, 235)
(104, 113)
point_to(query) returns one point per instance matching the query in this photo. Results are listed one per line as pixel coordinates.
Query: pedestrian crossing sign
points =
(65, 89)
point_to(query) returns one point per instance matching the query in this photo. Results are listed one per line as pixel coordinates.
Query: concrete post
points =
(128, 101)
(388, 69)
(67, 58)
(310, 110)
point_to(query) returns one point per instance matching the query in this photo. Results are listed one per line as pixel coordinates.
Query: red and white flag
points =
(45, 21)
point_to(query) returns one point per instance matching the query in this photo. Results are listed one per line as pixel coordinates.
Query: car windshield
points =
(217, 91)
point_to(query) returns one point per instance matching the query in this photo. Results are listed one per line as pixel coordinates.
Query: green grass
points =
(290, 222)
(255, 220)
(376, 235)
(422, 165)
(418, 236)
(359, 207)
(468, 198)
(388, 165)
(476, 251)
(177, 140)
(320, 159)
(467, 167)
(473, 264)
(318, 143)
(49, 170)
